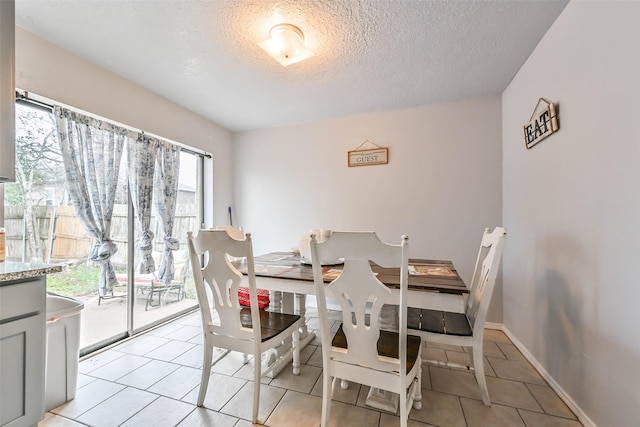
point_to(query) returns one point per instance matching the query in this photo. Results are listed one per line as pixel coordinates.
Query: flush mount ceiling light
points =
(286, 44)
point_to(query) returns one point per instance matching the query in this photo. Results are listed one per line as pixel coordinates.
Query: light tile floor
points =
(153, 380)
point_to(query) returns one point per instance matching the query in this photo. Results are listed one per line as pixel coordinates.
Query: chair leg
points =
(478, 365)
(149, 301)
(327, 392)
(417, 398)
(296, 351)
(257, 374)
(403, 407)
(245, 358)
(206, 371)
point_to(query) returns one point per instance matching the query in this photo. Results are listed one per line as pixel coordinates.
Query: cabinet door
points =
(21, 371)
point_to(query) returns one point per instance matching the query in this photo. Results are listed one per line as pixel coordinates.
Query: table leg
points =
(301, 309)
(287, 302)
(276, 301)
(390, 318)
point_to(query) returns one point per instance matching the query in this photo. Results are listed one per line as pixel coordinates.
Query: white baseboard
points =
(491, 325)
(582, 417)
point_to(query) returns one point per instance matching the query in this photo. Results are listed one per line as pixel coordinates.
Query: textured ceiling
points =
(370, 55)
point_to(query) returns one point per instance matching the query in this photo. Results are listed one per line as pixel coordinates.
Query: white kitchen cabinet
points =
(22, 351)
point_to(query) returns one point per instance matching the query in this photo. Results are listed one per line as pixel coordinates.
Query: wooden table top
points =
(432, 275)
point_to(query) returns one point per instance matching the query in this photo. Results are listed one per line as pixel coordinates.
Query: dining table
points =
(433, 284)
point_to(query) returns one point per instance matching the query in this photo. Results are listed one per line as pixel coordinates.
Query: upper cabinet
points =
(7, 91)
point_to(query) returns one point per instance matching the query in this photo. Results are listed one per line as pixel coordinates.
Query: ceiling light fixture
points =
(286, 44)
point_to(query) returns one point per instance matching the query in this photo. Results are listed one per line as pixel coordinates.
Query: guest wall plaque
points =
(543, 122)
(368, 157)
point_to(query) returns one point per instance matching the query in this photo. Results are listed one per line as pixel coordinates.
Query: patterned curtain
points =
(141, 161)
(91, 151)
(165, 198)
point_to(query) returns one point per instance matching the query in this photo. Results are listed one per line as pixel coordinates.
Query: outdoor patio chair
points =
(157, 293)
(174, 289)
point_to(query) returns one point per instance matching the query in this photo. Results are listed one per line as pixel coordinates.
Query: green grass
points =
(82, 280)
(74, 281)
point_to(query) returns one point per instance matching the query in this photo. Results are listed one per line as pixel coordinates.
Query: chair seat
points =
(439, 322)
(271, 323)
(387, 345)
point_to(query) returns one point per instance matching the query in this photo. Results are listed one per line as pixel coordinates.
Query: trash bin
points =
(63, 349)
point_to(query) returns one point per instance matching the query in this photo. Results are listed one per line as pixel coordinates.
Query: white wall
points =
(47, 70)
(441, 187)
(572, 207)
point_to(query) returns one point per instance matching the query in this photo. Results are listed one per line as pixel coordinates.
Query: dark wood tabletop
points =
(425, 274)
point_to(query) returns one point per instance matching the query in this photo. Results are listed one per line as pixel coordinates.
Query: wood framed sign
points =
(368, 157)
(543, 122)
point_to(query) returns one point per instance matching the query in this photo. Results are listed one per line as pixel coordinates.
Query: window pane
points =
(154, 300)
(39, 188)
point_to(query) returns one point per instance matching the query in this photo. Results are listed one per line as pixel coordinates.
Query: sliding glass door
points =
(43, 227)
(155, 300)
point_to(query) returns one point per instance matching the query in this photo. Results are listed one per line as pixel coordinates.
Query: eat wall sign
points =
(543, 122)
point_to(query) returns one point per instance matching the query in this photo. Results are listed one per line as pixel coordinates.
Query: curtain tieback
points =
(172, 243)
(145, 243)
(101, 252)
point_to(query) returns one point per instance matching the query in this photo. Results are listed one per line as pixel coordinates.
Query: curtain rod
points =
(24, 98)
(20, 98)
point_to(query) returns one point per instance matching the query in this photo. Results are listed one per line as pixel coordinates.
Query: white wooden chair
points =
(263, 295)
(236, 233)
(360, 351)
(466, 329)
(243, 329)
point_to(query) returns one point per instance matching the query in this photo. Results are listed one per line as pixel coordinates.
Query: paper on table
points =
(273, 257)
(430, 270)
(333, 273)
(272, 269)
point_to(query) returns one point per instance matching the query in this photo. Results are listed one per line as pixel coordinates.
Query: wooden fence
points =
(63, 237)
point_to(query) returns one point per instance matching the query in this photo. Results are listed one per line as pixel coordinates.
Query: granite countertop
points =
(10, 270)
